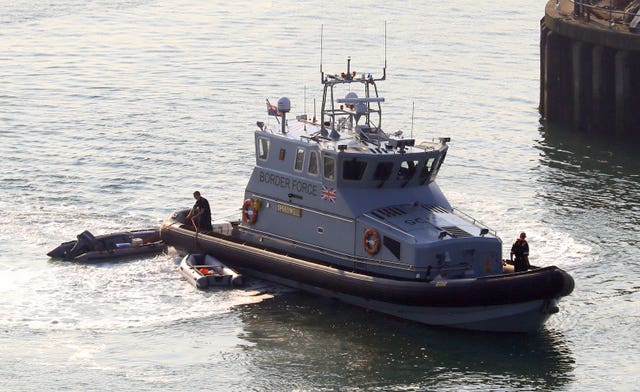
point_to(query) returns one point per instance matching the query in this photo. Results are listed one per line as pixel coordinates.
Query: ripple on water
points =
(113, 112)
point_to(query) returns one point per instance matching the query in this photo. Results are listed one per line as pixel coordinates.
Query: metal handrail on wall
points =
(589, 11)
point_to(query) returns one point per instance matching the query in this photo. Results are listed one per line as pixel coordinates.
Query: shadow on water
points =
(302, 339)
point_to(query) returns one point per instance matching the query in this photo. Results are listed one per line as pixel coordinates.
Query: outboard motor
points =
(86, 242)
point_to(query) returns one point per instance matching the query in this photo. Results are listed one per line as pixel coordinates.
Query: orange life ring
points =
(371, 241)
(249, 212)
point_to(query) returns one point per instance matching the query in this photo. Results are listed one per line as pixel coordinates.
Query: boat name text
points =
(289, 183)
(289, 210)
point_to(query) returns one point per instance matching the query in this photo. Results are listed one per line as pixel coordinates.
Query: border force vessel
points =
(341, 208)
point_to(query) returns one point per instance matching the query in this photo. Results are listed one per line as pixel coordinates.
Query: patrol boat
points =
(341, 208)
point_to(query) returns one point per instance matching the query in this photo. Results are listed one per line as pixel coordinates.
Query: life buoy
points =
(371, 241)
(249, 212)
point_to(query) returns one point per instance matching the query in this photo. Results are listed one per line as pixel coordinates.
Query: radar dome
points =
(351, 95)
(284, 105)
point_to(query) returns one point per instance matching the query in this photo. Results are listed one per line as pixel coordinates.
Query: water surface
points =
(113, 112)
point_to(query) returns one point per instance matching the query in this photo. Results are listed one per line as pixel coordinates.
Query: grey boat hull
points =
(517, 302)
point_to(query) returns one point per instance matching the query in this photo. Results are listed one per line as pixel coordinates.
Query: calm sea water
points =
(113, 112)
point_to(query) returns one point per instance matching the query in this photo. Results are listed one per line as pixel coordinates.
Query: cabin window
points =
(329, 168)
(407, 170)
(426, 169)
(313, 163)
(437, 165)
(383, 171)
(282, 154)
(263, 148)
(353, 169)
(299, 159)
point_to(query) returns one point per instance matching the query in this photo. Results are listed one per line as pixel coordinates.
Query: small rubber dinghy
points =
(203, 270)
(109, 246)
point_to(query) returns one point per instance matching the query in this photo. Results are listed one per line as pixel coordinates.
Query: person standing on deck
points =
(200, 214)
(520, 249)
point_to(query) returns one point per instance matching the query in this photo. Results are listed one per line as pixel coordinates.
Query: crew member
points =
(200, 214)
(520, 249)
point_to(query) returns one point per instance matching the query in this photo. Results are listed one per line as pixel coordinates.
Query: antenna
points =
(321, 34)
(384, 70)
(413, 110)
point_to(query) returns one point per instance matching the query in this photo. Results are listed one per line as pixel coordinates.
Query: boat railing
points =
(433, 143)
(392, 227)
(474, 221)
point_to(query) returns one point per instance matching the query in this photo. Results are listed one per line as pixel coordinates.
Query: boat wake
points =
(112, 295)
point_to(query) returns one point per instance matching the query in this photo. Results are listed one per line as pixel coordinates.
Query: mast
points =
(329, 112)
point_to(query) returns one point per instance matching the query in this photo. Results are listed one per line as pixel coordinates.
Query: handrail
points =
(585, 9)
(474, 221)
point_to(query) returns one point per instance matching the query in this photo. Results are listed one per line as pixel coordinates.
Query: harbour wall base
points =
(589, 75)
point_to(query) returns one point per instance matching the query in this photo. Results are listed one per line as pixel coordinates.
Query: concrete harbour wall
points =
(589, 73)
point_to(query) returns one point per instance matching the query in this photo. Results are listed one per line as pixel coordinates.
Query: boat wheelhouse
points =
(347, 193)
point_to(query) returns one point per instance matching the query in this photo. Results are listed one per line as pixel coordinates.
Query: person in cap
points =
(520, 249)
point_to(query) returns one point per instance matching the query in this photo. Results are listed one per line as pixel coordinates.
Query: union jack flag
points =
(272, 110)
(328, 194)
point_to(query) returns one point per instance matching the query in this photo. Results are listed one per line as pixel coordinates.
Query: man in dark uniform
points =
(200, 214)
(520, 249)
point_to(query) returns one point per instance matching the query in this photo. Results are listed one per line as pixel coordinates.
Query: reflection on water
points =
(591, 184)
(113, 112)
(587, 173)
(589, 188)
(357, 348)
